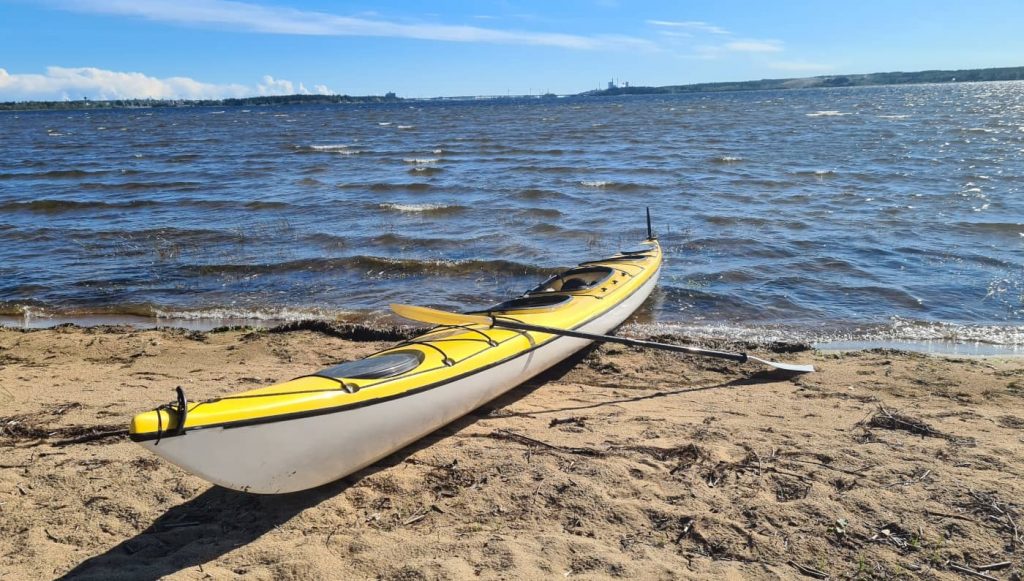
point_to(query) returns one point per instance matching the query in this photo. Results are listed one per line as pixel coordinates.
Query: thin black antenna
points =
(650, 233)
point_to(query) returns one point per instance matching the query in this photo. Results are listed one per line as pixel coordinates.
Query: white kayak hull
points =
(287, 455)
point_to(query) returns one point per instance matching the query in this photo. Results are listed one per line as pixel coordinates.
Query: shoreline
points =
(617, 464)
(843, 343)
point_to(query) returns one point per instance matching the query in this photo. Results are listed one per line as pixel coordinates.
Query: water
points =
(886, 213)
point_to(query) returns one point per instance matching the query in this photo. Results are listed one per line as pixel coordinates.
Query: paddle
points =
(438, 317)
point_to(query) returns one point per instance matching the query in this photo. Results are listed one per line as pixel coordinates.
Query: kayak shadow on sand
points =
(198, 531)
(220, 520)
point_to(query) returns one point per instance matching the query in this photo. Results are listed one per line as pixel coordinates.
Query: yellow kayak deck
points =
(567, 301)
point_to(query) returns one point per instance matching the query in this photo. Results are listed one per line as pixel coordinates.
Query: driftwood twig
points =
(972, 572)
(993, 566)
(506, 435)
(809, 571)
(91, 437)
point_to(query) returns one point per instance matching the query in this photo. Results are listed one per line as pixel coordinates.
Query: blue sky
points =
(69, 49)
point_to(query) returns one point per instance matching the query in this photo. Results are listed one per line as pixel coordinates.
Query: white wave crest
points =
(232, 314)
(332, 147)
(898, 333)
(412, 208)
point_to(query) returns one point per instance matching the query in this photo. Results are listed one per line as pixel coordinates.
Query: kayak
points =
(321, 427)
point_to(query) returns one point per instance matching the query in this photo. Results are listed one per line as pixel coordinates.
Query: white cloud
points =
(248, 17)
(800, 67)
(60, 83)
(754, 46)
(736, 47)
(708, 52)
(271, 86)
(695, 25)
(709, 47)
(317, 90)
(675, 34)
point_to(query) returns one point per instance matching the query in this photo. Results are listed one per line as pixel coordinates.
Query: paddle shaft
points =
(507, 324)
(428, 315)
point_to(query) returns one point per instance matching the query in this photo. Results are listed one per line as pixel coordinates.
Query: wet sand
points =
(618, 464)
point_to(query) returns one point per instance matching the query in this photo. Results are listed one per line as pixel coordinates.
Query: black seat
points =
(575, 284)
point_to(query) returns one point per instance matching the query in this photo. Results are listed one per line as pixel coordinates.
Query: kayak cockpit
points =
(576, 279)
(533, 303)
(378, 367)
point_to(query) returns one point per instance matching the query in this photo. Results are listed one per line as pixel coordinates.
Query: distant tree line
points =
(155, 103)
(897, 78)
(305, 100)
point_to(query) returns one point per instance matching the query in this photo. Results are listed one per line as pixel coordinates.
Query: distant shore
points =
(261, 101)
(827, 81)
(824, 81)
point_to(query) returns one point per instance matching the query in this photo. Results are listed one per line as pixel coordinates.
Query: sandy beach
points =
(617, 464)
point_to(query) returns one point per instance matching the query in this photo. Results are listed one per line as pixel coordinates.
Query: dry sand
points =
(620, 464)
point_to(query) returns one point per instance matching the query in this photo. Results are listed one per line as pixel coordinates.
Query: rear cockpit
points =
(575, 280)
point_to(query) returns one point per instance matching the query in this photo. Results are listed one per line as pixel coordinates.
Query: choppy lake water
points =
(888, 212)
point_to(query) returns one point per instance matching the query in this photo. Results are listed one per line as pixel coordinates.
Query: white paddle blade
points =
(784, 366)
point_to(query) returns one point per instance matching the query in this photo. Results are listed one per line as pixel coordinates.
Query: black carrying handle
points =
(182, 411)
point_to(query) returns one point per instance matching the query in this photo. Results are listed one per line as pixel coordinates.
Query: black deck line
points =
(325, 411)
